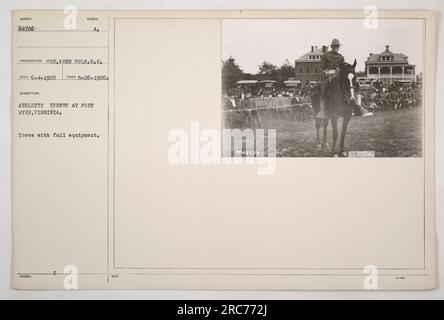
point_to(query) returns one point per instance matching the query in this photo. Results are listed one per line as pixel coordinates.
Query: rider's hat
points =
(335, 42)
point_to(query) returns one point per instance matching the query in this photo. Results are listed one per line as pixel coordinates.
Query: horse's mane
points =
(346, 68)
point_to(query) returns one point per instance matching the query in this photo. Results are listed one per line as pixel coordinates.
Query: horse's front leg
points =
(334, 125)
(343, 133)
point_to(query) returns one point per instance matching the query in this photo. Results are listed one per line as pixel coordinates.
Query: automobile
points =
(365, 86)
(405, 83)
(267, 88)
(243, 85)
(292, 85)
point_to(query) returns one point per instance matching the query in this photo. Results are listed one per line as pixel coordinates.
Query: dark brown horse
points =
(339, 103)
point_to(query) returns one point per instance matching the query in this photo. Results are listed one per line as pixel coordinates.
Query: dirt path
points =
(389, 134)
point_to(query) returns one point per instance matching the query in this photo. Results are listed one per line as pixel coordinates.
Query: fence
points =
(275, 103)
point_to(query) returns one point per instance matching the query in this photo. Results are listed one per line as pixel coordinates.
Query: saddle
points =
(330, 74)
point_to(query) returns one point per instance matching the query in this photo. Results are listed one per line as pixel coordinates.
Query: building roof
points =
(397, 57)
(246, 82)
(292, 83)
(314, 52)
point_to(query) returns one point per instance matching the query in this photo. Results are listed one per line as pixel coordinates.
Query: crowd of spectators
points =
(244, 104)
(398, 95)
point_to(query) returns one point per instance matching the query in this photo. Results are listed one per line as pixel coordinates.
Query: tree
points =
(267, 69)
(248, 76)
(231, 73)
(285, 71)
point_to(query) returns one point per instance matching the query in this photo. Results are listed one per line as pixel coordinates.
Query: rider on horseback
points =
(330, 63)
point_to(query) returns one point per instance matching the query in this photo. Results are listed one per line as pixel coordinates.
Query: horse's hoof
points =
(335, 155)
(343, 154)
(318, 147)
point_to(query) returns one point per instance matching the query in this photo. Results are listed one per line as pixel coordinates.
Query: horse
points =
(339, 103)
(316, 106)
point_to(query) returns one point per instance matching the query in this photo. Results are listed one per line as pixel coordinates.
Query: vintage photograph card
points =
(252, 150)
(371, 103)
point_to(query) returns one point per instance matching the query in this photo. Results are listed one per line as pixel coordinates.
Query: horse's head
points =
(347, 73)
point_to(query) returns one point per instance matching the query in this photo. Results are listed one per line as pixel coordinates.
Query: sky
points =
(252, 41)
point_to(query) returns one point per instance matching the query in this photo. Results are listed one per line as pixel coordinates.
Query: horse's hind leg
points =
(334, 125)
(343, 132)
(318, 139)
(257, 120)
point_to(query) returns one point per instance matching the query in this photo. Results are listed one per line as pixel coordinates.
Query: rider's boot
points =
(360, 110)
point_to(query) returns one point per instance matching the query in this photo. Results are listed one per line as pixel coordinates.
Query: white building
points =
(388, 67)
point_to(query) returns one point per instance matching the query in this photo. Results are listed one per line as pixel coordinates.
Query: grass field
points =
(396, 133)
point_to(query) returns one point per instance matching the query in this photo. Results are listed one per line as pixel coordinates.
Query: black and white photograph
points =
(329, 87)
(234, 152)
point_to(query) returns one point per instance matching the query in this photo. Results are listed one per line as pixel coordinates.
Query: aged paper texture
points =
(121, 178)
